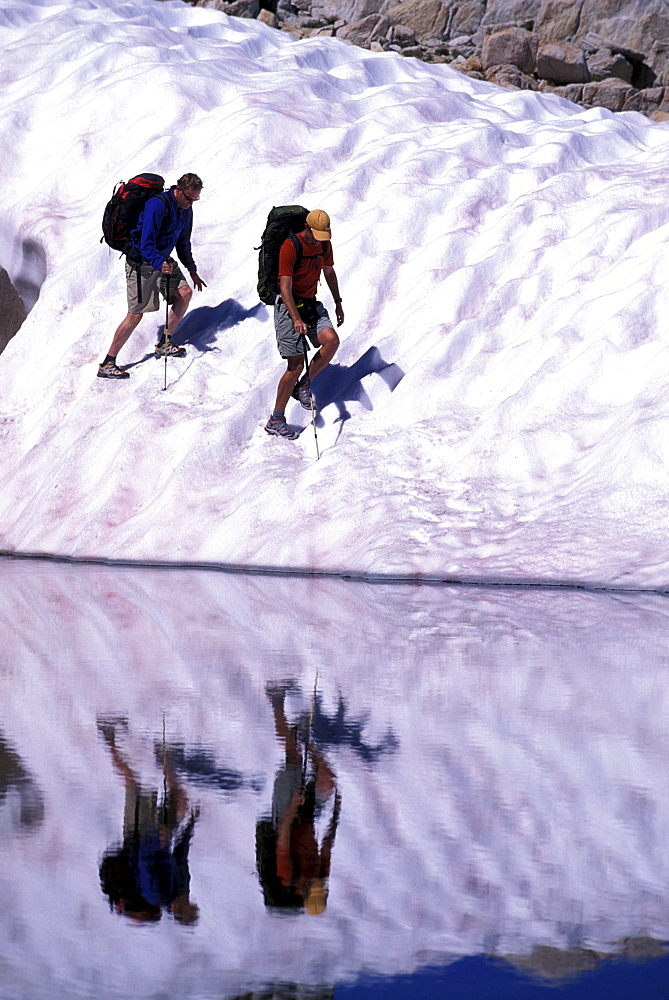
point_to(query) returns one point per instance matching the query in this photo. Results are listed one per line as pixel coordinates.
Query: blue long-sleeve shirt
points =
(162, 227)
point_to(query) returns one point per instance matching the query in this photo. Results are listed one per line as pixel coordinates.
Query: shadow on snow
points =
(342, 384)
(200, 326)
(338, 384)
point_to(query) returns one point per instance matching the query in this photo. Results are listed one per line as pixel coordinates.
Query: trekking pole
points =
(164, 763)
(311, 398)
(167, 314)
(311, 722)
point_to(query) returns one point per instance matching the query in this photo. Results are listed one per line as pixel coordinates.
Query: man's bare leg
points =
(287, 382)
(329, 342)
(123, 332)
(179, 307)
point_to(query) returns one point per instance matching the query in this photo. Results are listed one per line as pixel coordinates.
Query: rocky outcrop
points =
(611, 93)
(12, 310)
(514, 46)
(237, 8)
(599, 53)
(425, 18)
(511, 77)
(562, 63)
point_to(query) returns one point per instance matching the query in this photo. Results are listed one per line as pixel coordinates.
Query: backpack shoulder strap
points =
(325, 246)
(298, 249)
(163, 197)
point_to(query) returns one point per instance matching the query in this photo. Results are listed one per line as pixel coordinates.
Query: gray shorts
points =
(152, 282)
(288, 781)
(289, 342)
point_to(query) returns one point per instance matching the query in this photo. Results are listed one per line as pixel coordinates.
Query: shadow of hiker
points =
(141, 361)
(16, 778)
(340, 384)
(200, 326)
(342, 729)
(199, 765)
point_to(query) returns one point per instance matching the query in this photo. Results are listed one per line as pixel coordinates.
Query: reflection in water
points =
(479, 784)
(289, 991)
(198, 764)
(338, 729)
(150, 870)
(294, 866)
(15, 778)
(557, 965)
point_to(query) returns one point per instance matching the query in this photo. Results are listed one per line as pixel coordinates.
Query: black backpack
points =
(283, 221)
(125, 207)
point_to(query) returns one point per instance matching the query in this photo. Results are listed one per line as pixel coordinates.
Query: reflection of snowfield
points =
(505, 251)
(525, 801)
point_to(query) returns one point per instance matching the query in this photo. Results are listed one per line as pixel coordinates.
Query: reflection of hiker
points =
(293, 861)
(150, 870)
(14, 777)
(298, 314)
(165, 223)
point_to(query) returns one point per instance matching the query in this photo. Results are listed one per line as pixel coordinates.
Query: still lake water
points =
(219, 785)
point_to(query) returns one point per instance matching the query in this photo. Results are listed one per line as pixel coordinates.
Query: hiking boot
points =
(110, 370)
(280, 428)
(169, 349)
(302, 393)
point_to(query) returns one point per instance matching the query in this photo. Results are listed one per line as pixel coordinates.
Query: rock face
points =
(605, 63)
(12, 310)
(562, 63)
(238, 8)
(611, 94)
(426, 18)
(600, 53)
(514, 46)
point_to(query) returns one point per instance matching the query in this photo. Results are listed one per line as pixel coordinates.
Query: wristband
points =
(337, 301)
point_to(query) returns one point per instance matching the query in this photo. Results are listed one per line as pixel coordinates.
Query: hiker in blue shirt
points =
(149, 871)
(165, 225)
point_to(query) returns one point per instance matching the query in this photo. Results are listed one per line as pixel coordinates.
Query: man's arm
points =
(333, 285)
(154, 212)
(185, 254)
(286, 291)
(183, 247)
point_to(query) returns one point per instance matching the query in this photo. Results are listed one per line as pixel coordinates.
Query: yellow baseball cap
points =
(317, 896)
(319, 223)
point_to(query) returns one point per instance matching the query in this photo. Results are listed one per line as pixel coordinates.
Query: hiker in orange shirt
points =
(298, 314)
(294, 847)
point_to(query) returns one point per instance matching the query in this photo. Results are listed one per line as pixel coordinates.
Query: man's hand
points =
(197, 281)
(286, 292)
(339, 313)
(167, 267)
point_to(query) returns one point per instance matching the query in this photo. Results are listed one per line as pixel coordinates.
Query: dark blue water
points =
(482, 978)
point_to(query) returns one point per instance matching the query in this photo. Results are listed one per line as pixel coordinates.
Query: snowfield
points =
(498, 408)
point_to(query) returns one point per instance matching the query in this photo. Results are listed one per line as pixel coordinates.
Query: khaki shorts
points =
(153, 283)
(290, 344)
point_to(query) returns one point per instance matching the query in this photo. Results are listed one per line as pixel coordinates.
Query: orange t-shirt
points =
(305, 278)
